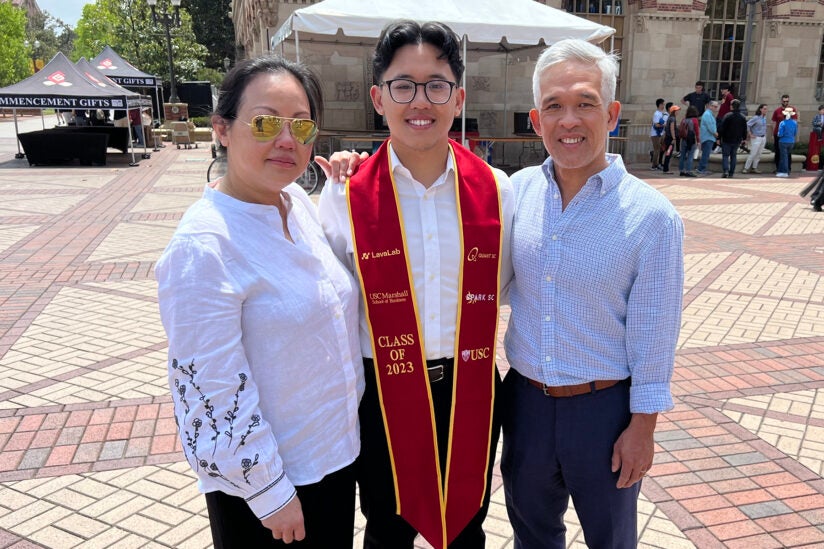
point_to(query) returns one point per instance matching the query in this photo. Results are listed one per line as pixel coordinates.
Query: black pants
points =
(328, 516)
(668, 141)
(384, 528)
(817, 197)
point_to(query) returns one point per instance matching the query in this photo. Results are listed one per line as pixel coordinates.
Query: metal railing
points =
(632, 143)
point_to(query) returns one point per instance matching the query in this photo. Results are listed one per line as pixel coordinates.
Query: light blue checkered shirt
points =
(597, 289)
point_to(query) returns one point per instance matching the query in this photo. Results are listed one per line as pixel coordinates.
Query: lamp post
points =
(168, 20)
(745, 61)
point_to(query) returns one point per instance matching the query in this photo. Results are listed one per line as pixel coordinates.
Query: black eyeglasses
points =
(403, 90)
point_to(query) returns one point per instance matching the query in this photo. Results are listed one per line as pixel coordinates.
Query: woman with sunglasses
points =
(264, 358)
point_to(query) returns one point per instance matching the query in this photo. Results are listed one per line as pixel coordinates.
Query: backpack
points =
(685, 129)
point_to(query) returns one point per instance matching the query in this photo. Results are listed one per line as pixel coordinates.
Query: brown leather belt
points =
(574, 390)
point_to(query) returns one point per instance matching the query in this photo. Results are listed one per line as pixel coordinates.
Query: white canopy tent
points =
(480, 22)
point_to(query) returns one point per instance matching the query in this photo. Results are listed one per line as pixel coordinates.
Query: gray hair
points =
(715, 103)
(580, 51)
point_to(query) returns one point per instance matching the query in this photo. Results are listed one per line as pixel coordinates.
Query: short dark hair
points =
(239, 78)
(659, 102)
(402, 33)
(668, 105)
(726, 87)
(692, 112)
(735, 105)
(700, 83)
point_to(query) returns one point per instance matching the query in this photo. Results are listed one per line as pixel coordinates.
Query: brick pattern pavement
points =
(88, 451)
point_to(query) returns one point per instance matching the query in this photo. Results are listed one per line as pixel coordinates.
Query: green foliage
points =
(211, 75)
(214, 29)
(800, 147)
(15, 58)
(127, 26)
(51, 33)
(96, 28)
(202, 121)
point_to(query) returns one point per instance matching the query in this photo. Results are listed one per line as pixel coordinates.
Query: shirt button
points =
(555, 237)
(549, 279)
(548, 359)
(556, 196)
(546, 318)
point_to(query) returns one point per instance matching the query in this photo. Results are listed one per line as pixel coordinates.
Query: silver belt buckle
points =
(435, 373)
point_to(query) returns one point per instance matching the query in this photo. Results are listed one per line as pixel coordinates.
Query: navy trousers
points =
(557, 448)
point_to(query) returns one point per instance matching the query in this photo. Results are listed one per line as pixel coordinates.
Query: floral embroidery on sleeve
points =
(210, 422)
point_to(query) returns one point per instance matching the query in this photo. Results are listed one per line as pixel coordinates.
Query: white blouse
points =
(264, 360)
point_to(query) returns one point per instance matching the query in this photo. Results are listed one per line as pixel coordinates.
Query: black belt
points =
(437, 368)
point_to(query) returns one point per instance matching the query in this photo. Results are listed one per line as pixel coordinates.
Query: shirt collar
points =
(400, 170)
(603, 181)
(213, 195)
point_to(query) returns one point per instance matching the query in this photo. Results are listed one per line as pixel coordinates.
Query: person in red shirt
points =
(726, 102)
(726, 105)
(777, 118)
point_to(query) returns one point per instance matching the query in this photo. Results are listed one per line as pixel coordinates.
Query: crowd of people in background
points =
(712, 126)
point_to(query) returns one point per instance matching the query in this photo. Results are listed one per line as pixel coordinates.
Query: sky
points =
(67, 10)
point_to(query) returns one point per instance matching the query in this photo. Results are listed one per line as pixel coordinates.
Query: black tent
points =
(61, 85)
(104, 82)
(123, 73)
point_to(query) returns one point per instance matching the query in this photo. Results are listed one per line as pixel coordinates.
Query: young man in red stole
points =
(424, 225)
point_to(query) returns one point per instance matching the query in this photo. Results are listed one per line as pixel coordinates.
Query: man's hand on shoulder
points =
(341, 164)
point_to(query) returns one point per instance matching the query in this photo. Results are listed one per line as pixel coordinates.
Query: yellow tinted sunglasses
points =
(266, 127)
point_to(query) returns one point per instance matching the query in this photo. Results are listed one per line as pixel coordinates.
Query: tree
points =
(214, 29)
(14, 56)
(127, 26)
(51, 33)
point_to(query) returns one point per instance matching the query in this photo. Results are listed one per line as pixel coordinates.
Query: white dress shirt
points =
(430, 220)
(264, 367)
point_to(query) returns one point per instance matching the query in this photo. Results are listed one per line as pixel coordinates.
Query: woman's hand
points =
(287, 524)
(341, 164)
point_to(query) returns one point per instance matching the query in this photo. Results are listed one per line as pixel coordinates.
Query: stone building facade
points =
(30, 6)
(665, 46)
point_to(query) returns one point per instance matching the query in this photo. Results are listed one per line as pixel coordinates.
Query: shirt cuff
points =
(650, 398)
(272, 498)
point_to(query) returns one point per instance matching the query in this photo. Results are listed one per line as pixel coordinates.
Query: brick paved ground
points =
(88, 452)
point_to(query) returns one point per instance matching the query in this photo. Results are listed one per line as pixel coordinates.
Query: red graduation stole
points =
(438, 509)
